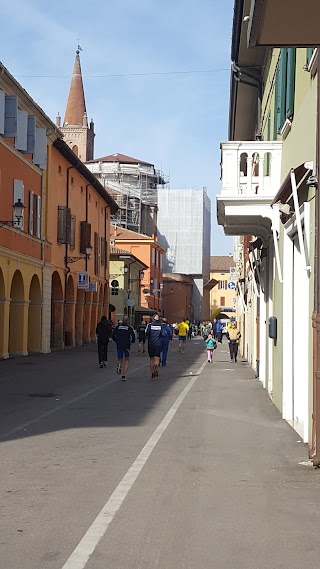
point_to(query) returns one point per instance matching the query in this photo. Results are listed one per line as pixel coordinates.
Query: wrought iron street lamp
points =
(85, 255)
(18, 210)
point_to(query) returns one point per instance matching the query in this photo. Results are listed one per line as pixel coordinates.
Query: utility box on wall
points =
(273, 327)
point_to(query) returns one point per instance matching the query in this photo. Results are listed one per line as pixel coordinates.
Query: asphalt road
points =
(193, 471)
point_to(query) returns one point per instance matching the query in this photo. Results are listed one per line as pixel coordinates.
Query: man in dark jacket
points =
(124, 336)
(141, 332)
(155, 332)
(103, 331)
(165, 342)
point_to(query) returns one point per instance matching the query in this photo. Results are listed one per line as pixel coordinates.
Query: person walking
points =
(211, 345)
(214, 328)
(182, 328)
(165, 342)
(123, 335)
(103, 331)
(190, 331)
(233, 336)
(155, 332)
(219, 331)
(141, 332)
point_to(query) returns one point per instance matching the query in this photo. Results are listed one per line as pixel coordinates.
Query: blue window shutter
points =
(18, 194)
(291, 79)
(31, 134)
(39, 216)
(22, 128)
(2, 105)
(31, 198)
(310, 51)
(276, 118)
(40, 151)
(10, 116)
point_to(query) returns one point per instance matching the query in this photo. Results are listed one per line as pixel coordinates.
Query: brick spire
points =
(76, 105)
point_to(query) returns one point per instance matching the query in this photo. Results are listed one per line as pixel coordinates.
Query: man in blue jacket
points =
(165, 342)
(124, 336)
(155, 331)
(219, 331)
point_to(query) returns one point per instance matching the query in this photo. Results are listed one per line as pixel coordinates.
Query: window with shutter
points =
(96, 254)
(85, 236)
(64, 224)
(35, 214)
(103, 251)
(73, 232)
(31, 200)
(222, 300)
(39, 213)
(10, 116)
(31, 134)
(282, 87)
(309, 54)
(22, 130)
(290, 83)
(40, 150)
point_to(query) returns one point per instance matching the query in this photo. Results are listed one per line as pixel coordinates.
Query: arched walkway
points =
(70, 313)
(94, 315)
(79, 317)
(3, 318)
(87, 318)
(100, 305)
(34, 316)
(18, 316)
(57, 312)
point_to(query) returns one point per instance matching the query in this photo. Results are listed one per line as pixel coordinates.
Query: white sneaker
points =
(124, 378)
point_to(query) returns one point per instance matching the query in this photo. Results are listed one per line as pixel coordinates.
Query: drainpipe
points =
(315, 449)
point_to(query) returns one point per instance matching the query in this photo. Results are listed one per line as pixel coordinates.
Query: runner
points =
(103, 331)
(165, 342)
(141, 331)
(182, 328)
(155, 332)
(124, 336)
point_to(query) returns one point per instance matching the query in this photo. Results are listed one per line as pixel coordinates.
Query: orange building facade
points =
(149, 252)
(78, 212)
(25, 133)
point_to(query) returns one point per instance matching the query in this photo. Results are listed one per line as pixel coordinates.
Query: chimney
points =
(58, 121)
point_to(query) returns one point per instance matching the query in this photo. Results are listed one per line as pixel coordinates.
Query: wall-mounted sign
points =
(83, 280)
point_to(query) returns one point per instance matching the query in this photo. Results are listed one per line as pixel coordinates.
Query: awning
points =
(144, 310)
(285, 191)
(210, 284)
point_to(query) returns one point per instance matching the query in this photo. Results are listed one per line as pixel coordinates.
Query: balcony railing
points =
(250, 168)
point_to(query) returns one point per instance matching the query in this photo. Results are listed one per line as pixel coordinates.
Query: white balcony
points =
(250, 176)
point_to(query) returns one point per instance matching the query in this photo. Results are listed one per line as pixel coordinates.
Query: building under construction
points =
(134, 186)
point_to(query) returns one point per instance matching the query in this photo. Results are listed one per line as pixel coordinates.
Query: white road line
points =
(80, 556)
(63, 405)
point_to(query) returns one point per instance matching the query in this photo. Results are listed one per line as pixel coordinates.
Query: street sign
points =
(232, 285)
(83, 280)
(130, 302)
(233, 272)
(92, 287)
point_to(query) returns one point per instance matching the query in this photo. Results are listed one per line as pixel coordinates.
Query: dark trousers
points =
(219, 337)
(164, 355)
(233, 347)
(103, 350)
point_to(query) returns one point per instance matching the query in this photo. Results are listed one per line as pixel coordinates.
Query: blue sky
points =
(173, 121)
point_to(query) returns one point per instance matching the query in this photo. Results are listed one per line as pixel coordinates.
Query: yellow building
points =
(223, 297)
(126, 274)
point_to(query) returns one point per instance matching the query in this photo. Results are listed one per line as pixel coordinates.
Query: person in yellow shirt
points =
(182, 329)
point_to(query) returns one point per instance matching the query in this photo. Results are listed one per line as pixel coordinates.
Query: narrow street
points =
(218, 482)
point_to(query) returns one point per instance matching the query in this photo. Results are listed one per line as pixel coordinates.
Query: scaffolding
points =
(134, 186)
